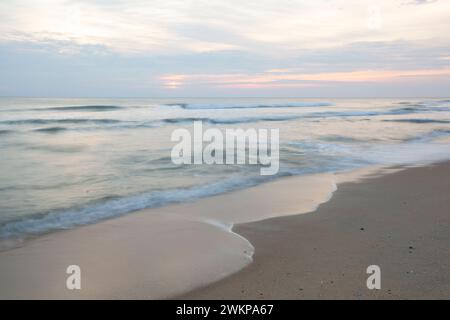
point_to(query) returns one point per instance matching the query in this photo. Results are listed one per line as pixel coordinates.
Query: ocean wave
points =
(57, 125)
(429, 136)
(345, 139)
(83, 108)
(374, 113)
(2, 132)
(425, 103)
(94, 108)
(421, 108)
(112, 124)
(418, 121)
(56, 121)
(112, 206)
(51, 129)
(193, 106)
(230, 120)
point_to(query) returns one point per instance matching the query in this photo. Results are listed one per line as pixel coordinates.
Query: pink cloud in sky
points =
(288, 79)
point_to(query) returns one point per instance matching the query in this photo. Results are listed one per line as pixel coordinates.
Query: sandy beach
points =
(398, 221)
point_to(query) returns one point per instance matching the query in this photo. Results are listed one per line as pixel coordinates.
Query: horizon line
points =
(224, 97)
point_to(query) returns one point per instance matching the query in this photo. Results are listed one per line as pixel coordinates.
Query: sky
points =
(225, 48)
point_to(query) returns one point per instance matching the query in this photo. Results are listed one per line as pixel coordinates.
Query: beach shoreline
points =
(192, 250)
(398, 221)
(155, 253)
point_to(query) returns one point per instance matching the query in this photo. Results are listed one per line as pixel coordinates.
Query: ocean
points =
(71, 162)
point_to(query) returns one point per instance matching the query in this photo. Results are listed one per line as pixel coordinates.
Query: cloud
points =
(294, 79)
(172, 26)
(420, 2)
(149, 47)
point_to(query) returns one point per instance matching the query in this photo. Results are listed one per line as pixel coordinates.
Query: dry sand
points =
(400, 222)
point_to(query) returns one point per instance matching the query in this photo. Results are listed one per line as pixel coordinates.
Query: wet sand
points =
(155, 253)
(400, 222)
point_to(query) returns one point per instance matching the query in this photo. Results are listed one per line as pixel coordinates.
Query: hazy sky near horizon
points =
(314, 48)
